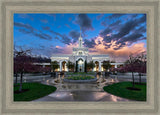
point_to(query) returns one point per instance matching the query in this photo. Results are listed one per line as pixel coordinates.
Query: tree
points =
(90, 65)
(141, 65)
(130, 66)
(113, 61)
(85, 66)
(54, 65)
(76, 66)
(106, 65)
(15, 70)
(70, 65)
(22, 64)
(121, 69)
(40, 69)
(46, 69)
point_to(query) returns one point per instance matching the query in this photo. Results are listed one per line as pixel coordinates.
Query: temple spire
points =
(80, 40)
(80, 31)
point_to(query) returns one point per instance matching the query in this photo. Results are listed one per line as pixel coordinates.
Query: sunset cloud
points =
(118, 35)
(119, 55)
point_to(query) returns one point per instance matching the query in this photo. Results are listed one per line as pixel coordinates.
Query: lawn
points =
(81, 73)
(32, 91)
(120, 89)
(80, 77)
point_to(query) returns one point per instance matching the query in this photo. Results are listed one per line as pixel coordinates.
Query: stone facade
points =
(79, 57)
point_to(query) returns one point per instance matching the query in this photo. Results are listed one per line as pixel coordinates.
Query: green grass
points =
(80, 77)
(81, 73)
(34, 91)
(120, 89)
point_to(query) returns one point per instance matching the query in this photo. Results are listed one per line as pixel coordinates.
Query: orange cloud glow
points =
(119, 55)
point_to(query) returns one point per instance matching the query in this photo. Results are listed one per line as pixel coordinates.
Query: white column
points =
(115, 66)
(66, 69)
(100, 66)
(60, 64)
(43, 66)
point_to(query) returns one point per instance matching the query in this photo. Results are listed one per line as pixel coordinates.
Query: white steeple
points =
(80, 40)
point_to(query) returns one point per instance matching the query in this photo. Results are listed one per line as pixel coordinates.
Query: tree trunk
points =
(21, 80)
(133, 79)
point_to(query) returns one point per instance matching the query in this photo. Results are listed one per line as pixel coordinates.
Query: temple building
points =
(80, 56)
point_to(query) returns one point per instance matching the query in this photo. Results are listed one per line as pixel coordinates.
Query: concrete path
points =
(80, 92)
(81, 96)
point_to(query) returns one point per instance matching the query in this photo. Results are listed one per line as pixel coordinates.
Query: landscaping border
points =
(80, 81)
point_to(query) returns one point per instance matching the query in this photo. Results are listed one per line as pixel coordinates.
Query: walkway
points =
(81, 96)
(80, 92)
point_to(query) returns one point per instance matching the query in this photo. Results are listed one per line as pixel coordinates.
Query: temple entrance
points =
(64, 66)
(80, 65)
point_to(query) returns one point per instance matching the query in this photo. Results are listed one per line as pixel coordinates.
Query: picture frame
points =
(9, 7)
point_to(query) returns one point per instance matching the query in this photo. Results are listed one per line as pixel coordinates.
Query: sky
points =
(117, 35)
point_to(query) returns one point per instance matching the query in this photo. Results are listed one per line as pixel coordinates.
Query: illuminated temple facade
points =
(80, 56)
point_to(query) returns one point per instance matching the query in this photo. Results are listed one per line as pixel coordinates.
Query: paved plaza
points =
(80, 91)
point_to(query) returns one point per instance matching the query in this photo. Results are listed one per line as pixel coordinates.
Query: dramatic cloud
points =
(89, 43)
(126, 28)
(84, 22)
(67, 49)
(46, 28)
(109, 19)
(115, 16)
(124, 34)
(131, 38)
(56, 49)
(65, 39)
(47, 50)
(99, 16)
(28, 29)
(141, 29)
(98, 46)
(26, 26)
(120, 35)
(105, 32)
(117, 55)
(24, 31)
(142, 19)
(74, 35)
(43, 36)
(115, 25)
